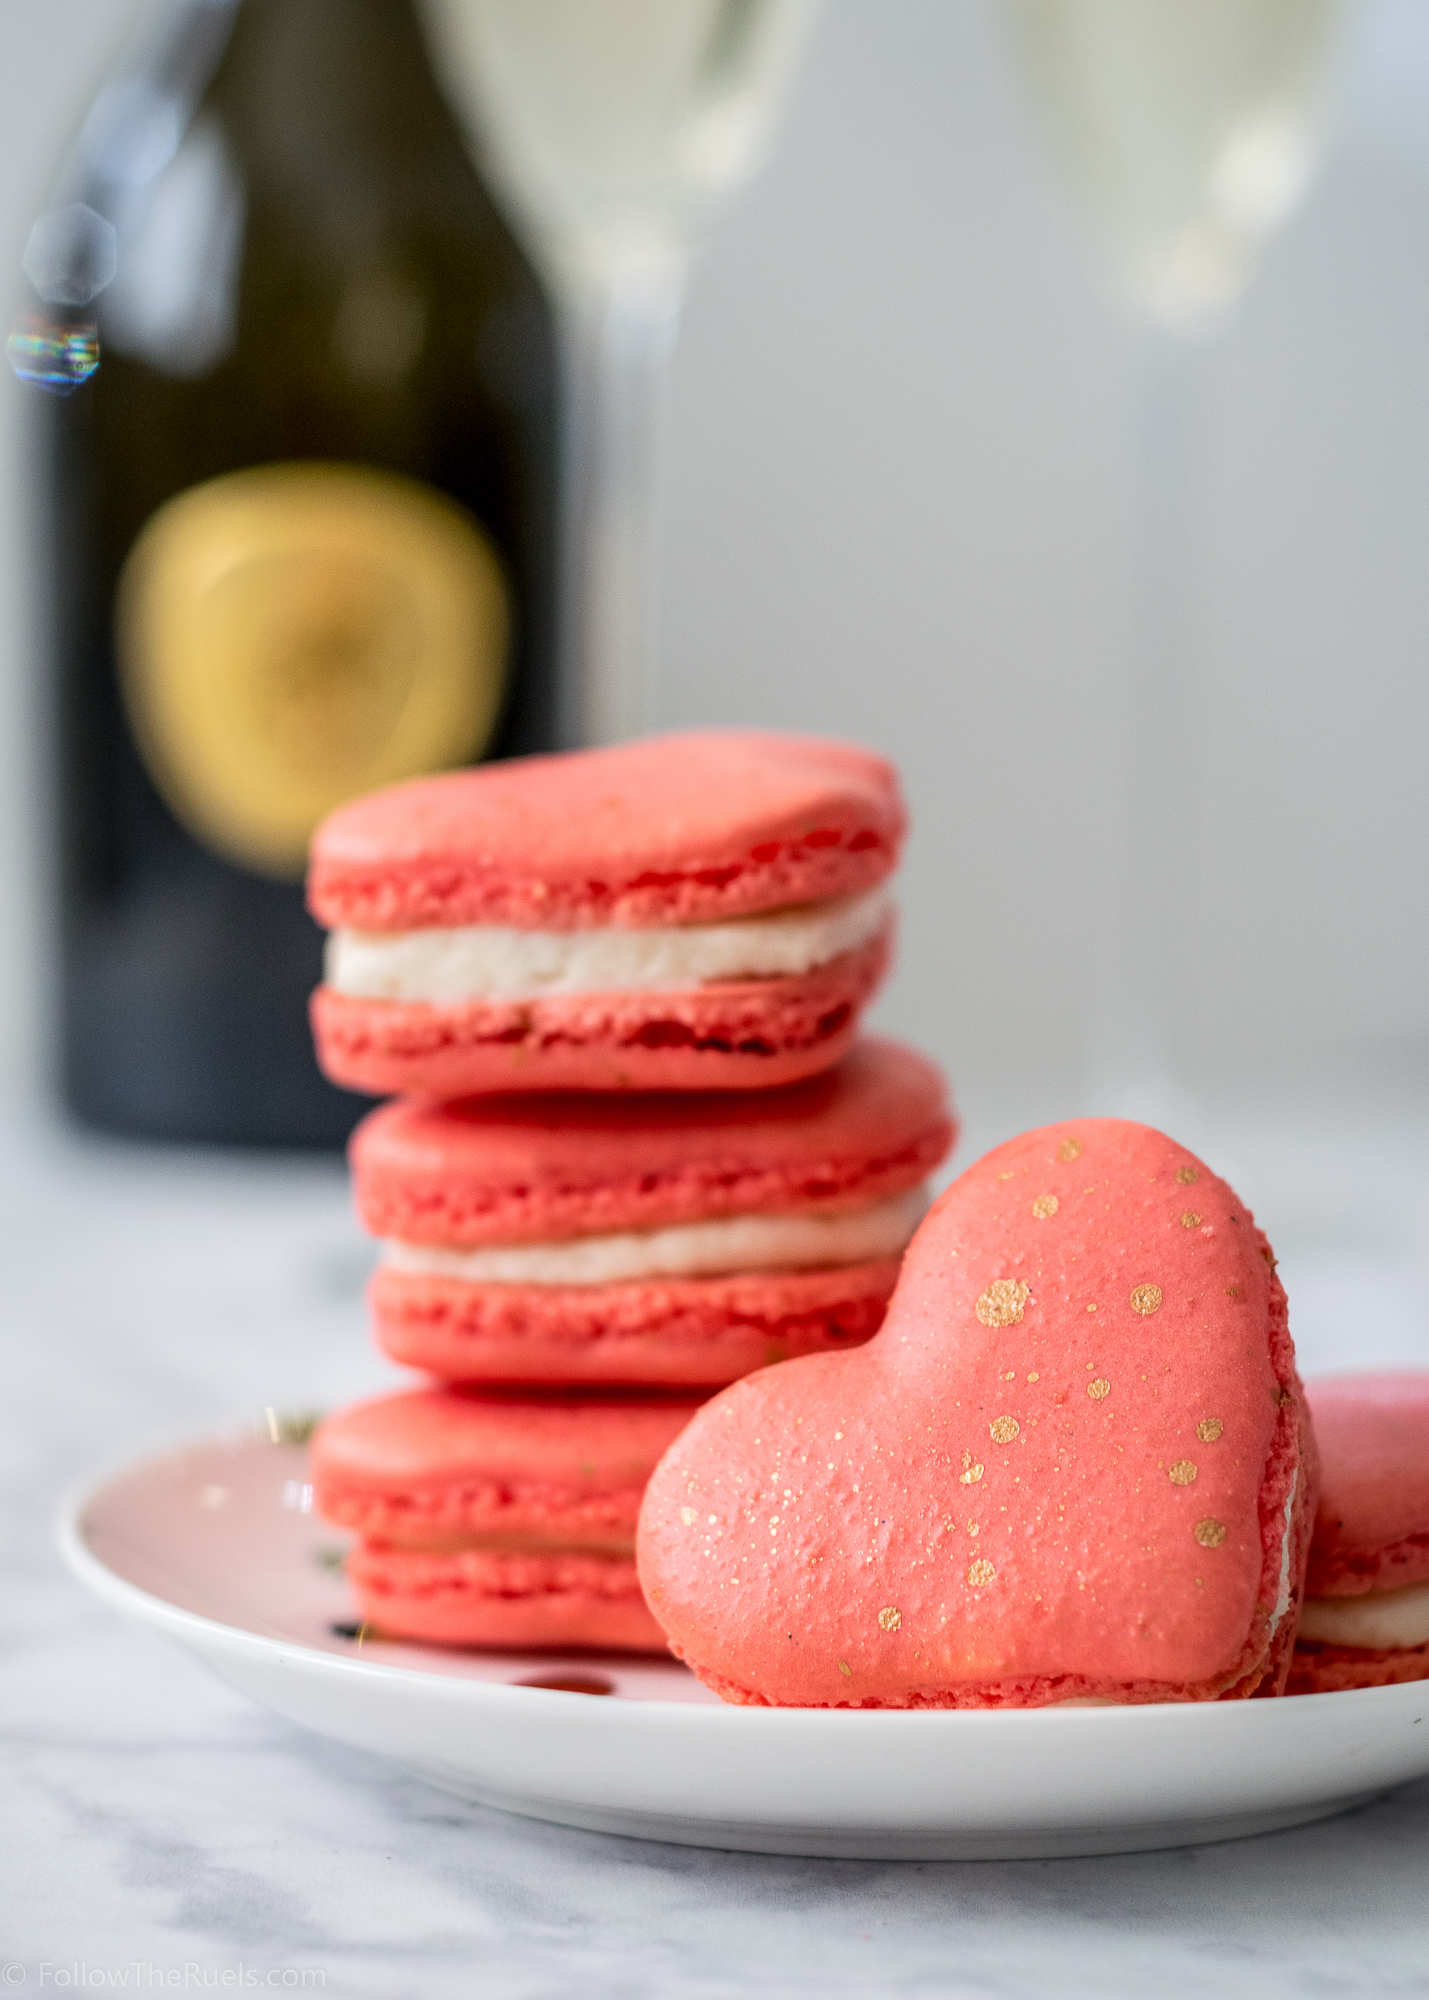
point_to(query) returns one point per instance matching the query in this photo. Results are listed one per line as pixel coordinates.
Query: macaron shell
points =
(1322, 1669)
(432, 1464)
(689, 828)
(729, 1035)
(1372, 1527)
(1131, 1471)
(477, 1598)
(540, 1169)
(694, 1331)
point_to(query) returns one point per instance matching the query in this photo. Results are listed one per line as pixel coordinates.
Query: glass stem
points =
(620, 337)
(1151, 904)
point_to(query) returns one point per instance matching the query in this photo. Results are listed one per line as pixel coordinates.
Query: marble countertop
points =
(162, 1833)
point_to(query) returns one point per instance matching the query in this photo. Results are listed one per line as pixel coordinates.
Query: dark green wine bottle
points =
(303, 528)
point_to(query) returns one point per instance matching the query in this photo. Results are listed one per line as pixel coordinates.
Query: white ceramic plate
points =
(215, 1546)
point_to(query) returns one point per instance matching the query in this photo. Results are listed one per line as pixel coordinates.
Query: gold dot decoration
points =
(1069, 1150)
(688, 1516)
(1003, 1303)
(1034, 1376)
(889, 1618)
(1210, 1534)
(846, 1669)
(980, 1572)
(1186, 1176)
(970, 1474)
(1209, 1429)
(1183, 1472)
(1146, 1299)
(1002, 1430)
(1234, 1292)
(1190, 1219)
(1045, 1207)
(1099, 1390)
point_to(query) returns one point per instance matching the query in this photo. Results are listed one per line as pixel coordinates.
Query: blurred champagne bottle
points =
(303, 473)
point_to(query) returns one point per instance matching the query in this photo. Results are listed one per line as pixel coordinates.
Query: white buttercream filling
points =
(1381, 1620)
(1282, 1598)
(808, 1240)
(485, 961)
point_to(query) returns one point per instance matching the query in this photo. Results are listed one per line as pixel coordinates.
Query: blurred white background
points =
(899, 486)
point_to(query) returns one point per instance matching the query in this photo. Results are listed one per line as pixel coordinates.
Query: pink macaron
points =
(486, 1520)
(1073, 1465)
(690, 912)
(1366, 1616)
(648, 1239)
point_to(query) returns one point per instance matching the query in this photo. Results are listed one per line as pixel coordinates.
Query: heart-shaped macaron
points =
(1073, 1465)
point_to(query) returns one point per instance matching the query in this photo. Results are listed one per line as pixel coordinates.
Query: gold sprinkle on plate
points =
(1183, 1472)
(889, 1618)
(1190, 1219)
(1210, 1534)
(1002, 1430)
(1003, 1303)
(1099, 1389)
(845, 1668)
(1146, 1299)
(1045, 1207)
(980, 1572)
(1209, 1429)
(1070, 1149)
(1186, 1176)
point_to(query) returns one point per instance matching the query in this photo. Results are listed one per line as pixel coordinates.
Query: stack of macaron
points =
(638, 1148)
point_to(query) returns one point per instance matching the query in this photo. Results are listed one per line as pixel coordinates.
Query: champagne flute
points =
(1186, 131)
(617, 127)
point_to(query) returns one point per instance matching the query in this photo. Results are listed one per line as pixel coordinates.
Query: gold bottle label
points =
(293, 635)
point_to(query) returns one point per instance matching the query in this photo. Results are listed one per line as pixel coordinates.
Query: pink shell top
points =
(1066, 1466)
(1372, 1529)
(546, 1168)
(691, 828)
(448, 1462)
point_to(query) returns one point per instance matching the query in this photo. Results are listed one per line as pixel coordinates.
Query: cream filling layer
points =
(807, 1240)
(484, 961)
(1382, 1620)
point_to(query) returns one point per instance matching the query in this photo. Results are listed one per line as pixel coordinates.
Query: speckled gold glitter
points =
(1002, 1430)
(1190, 1219)
(1185, 1176)
(980, 1572)
(973, 1528)
(1034, 1376)
(1209, 1429)
(1045, 1207)
(845, 1668)
(1234, 1292)
(1183, 1472)
(1210, 1534)
(1099, 1389)
(1146, 1299)
(970, 1474)
(689, 1516)
(1091, 1308)
(1003, 1303)
(1005, 1177)
(889, 1618)
(1070, 1149)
